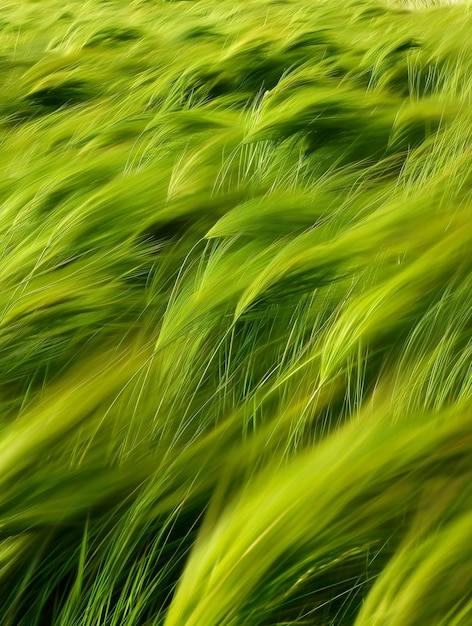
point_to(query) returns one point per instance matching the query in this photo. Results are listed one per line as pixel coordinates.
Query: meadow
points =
(235, 313)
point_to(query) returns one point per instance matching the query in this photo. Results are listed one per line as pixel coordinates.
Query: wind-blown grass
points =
(235, 313)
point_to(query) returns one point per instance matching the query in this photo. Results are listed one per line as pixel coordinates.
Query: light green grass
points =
(235, 313)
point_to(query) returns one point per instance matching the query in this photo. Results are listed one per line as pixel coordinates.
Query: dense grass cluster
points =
(235, 313)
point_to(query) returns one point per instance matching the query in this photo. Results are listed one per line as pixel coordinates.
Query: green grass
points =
(235, 313)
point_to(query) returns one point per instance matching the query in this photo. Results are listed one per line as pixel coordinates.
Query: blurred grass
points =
(235, 313)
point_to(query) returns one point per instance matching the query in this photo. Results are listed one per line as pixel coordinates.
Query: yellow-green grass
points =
(235, 313)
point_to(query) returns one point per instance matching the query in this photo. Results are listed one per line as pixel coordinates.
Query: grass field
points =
(235, 313)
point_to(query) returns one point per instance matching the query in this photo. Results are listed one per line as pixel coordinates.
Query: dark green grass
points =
(235, 313)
